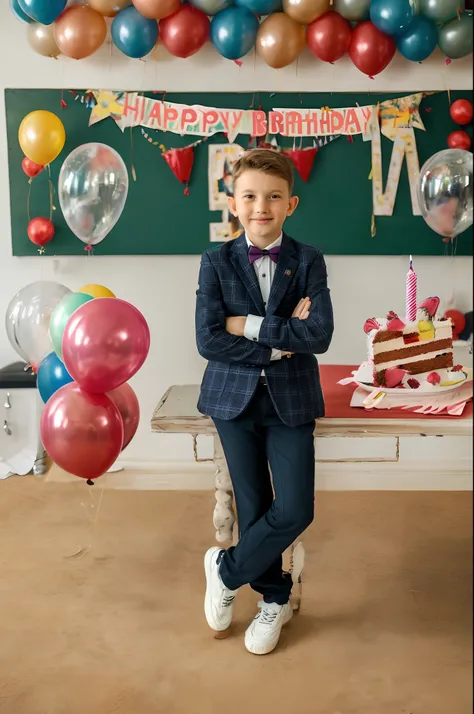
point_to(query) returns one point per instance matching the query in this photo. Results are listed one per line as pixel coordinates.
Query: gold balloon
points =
(41, 136)
(305, 11)
(41, 39)
(280, 40)
(157, 9)
(79, 31)
(109, 8)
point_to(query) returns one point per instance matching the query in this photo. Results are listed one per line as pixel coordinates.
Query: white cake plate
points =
(422, 389)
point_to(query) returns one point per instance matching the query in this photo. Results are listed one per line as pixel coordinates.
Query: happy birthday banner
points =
(130, 109)
(395, 118)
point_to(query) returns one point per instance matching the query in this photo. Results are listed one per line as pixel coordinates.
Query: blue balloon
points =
(419, 41)
(43, 11)
(392, 16)
(260, 7)
(134, 34)
(52, 375)
(18, 12)
(234, 32)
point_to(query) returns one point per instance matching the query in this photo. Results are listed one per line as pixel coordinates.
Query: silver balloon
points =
(439, 10)
(27, 319)
(93, 188)
(211, 7)
(352, 10)
(445, 192)
(455, 37)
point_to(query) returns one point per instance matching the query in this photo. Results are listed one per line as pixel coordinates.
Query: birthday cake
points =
(411, 354)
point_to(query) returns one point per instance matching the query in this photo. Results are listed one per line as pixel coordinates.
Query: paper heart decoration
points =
(433, 378)
(430, 305)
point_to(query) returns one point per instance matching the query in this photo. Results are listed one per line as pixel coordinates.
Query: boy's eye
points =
(275, 196)
(248, 195)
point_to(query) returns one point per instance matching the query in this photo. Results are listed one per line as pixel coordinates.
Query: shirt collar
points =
(275, 243)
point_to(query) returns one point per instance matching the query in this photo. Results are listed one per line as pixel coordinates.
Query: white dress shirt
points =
(265, 270)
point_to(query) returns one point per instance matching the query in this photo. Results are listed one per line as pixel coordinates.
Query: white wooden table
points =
(177, 413)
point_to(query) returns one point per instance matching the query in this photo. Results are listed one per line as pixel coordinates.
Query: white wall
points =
(163, 287)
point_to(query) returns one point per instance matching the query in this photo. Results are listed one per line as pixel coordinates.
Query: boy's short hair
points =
(265, 160)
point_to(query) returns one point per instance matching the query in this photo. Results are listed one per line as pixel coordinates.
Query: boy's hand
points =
(236, 325)
(302, 309)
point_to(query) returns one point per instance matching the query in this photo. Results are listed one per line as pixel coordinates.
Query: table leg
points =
(295, 557)
(224, 516)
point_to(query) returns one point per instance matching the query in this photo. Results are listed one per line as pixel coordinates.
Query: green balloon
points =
(455, 38)
(60, 316)
(439, 10)
(352, 10)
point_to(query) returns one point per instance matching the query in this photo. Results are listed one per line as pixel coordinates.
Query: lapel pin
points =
(288, 273)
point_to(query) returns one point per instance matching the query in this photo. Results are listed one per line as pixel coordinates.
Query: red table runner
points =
(338, 398)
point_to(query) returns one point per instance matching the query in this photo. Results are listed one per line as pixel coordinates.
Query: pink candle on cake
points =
(410, 294)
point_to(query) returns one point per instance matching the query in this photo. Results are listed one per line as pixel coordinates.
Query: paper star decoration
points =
(109, 104)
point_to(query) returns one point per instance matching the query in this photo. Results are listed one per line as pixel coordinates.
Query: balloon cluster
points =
(461, 113)
(415, 27)
(84, 346)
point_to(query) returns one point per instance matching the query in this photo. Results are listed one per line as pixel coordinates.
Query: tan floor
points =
(385, 626)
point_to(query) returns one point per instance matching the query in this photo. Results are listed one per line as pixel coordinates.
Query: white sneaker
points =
(263, 634)
(219, 600)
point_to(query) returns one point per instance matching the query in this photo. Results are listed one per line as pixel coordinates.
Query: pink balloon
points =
(104, 344)
(126, 402)
(82, 432)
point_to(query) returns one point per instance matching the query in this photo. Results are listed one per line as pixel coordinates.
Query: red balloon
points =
(371, 50)
(126, 402)
(329, 36)
(82, 432)
(459, 139)
(104, 344)
(461, 111)
(40, 230)
(30, 168)
(184, 32)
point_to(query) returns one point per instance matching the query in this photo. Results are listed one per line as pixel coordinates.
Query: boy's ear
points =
(292, 204)
(232, 205)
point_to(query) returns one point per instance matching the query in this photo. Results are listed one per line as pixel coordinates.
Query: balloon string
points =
(134, 175)
(80, 552)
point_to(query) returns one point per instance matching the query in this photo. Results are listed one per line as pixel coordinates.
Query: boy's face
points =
(261, 202)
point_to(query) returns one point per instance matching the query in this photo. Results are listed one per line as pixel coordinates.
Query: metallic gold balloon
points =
(280, 40)
(157, 9)
(79, 31)
(41, 39)
(305, 11)
(109, 8)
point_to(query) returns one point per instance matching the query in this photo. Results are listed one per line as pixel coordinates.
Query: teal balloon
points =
(234, 32)
(261, 7)
(52, 375)
(134, 34)
(439, 10)
(419, 41)
(60, 317)
(392, 16)
(211, 7)
(43, 11)
(455, 38)
(19, 13)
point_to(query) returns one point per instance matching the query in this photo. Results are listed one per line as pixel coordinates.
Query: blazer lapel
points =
(240, 260)
(284, 273)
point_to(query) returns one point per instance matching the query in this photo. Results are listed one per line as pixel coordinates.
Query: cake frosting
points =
(411, 354)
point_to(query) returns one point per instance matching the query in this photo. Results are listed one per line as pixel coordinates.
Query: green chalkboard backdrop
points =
(336, 203)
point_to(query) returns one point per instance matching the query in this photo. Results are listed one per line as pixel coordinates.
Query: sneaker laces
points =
(267, 614)
(227, 600)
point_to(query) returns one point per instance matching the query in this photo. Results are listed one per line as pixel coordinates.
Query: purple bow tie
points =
(256, 253)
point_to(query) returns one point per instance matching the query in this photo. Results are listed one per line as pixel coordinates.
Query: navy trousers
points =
(269, 519)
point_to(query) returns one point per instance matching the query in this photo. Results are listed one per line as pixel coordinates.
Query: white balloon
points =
(445, 192)
(93, 188)
(28, 316)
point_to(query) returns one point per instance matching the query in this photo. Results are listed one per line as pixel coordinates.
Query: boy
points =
(263, 309)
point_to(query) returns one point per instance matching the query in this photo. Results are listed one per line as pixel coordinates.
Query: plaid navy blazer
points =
(229, 287)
